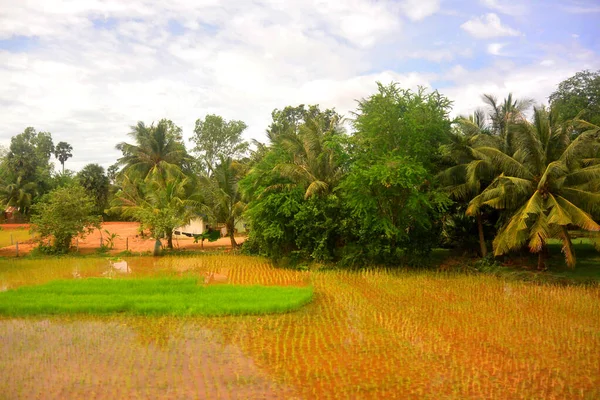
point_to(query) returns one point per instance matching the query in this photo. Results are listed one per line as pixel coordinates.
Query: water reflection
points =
(117, 267)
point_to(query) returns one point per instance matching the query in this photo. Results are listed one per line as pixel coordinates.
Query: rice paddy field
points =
(370, 334)
(8, 237)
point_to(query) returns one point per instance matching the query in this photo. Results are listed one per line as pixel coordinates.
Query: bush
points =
(63, 214)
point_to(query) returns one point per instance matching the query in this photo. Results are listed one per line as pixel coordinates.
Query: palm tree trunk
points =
(541, 264)
(231, 233)
(482, 244)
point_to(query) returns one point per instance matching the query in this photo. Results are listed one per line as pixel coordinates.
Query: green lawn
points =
(150, 296)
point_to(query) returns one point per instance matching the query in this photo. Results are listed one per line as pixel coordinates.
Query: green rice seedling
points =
(165, 296)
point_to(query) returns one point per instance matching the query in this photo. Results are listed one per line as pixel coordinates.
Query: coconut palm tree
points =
(546, 185)
(160, 204)
(224, 194)
(158, 151)
(469, 175)
(314, 161)
(505, 114)
(19, 194)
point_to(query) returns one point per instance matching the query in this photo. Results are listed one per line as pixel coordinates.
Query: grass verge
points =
(166, 296)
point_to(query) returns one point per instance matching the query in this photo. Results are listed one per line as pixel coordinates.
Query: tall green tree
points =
(545, 187)
(29, 155)
(292, 208)
(96, 184)
(315, 148)
(402, 122)
(158, 151)
(504, 116)
(214, 137)
(27, 166)
(63, 151)
(578, 96)
(224, 195)
(389, 194)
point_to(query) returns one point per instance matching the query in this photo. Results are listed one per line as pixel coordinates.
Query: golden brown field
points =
(373, 334)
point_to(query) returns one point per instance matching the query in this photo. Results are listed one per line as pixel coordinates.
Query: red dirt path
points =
(128, 238)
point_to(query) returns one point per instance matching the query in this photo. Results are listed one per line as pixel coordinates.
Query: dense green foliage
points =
(578, 96)
(96, 184)
(63, 214)
(215, 137)
(396, 179)
(151, 296)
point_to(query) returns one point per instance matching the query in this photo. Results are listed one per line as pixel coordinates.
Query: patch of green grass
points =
(150, 296)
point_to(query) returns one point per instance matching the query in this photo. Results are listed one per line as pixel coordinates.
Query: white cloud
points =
(417, 10)
(582, 9)
(96, 67)
(495, 48)
(488, 26)
(506, 7)
(503, 78)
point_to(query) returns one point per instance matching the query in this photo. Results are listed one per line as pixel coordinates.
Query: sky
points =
(86, 70)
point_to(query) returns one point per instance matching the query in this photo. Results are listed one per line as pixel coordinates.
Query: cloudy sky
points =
(86, 70)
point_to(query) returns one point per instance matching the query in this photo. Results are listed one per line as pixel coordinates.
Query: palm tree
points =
(505, 115)
(160, 204)
(158, 151)
(19, 194)
(314, 156)
(469, 175)
(62, 151)
(225, 196)
(547, 185)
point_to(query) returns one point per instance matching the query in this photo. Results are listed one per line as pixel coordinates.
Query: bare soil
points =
(128, 238)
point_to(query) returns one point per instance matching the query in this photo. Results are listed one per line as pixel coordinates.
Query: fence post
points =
(127, 243)
(17, 248)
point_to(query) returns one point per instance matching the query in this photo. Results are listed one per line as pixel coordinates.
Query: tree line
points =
(395, 179)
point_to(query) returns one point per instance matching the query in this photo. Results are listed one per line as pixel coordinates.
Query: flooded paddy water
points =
(372, 334)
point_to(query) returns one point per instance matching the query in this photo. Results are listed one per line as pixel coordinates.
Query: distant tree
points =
(112, 173)
(67, 178)
(29, 155)
(215, 137)
(63, 151)
(96, 184)
(289, 120)
(26, 166)
(63, 214)
(578, 96)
